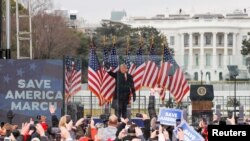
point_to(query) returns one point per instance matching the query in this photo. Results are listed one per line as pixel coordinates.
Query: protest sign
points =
(168, 116)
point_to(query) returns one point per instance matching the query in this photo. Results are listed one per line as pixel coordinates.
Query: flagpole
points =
(128, 66)
(107, 110)
(139, 105)
(162, 60)
(91, 96)
(113, 43)
(63, 104)
(91, 106)
(165, 45)
(170, 74)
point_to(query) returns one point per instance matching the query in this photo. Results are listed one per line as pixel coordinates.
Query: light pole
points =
(170, 74)
(233, 72)
(234, 96)
(201, 76)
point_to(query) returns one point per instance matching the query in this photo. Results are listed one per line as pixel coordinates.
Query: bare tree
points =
(40, 6)
(52, 38)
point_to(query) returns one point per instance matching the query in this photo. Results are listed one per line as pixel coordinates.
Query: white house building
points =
(204, 44)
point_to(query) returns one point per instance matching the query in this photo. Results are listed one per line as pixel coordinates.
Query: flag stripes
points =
(73, 76)
(95, 75)
(140, 68)
(108, 82)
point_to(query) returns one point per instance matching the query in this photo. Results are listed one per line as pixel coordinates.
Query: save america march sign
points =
(189, 133)
(168, 116)
(29, 87)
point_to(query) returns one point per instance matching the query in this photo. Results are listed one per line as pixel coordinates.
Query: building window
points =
(196, 59)
(220, 60)
(172, 40)
(185, 60)
(220, 40)
(208, 40)
(230, 40)
(186, 38)
(196, 76)
(220, 76)
(208, 76)
(196, 40)
(208, 59)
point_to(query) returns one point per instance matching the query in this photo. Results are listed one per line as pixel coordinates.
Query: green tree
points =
(122, 31)
(83, 52)
(246, 51)
(245, 46)
(12, 7)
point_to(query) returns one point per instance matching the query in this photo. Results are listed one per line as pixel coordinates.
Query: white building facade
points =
(204, 44)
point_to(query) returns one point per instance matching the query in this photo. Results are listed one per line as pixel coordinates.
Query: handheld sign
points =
(189, 133)
(168, 116)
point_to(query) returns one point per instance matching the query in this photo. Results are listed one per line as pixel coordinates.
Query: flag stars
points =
(20, 72)
(6, 78)
(11, 61)
(94, 63)
(113, 58)
(138, 59)
(33, 66)
(105, 55)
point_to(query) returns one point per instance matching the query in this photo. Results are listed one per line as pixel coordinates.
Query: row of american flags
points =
(167, 75)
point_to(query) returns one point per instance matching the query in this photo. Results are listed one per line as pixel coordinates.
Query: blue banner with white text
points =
(189, 133)
(29, 87)
(169, 116)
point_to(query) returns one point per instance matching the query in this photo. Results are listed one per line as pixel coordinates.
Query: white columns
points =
(190, 50)
(225, 49)
(182, 48)
(234, 44)
(202, 51)
(214, 50)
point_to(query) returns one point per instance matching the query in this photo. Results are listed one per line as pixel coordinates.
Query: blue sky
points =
(93, 12)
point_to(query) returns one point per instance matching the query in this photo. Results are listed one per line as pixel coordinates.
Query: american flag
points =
(163, 75)
(131, 66)
(95, 75)
(178, 85)
(162, 93)
(151, 70)
(73, 76)
(140, 68)
(108, 82)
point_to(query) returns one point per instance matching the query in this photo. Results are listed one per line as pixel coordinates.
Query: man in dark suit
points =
(124, 87)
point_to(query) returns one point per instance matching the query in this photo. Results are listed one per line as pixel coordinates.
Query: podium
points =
(201, 98)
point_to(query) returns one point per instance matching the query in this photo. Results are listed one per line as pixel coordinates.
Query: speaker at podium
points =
(202, 93)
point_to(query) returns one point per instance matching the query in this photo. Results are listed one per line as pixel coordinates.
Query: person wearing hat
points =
(124, 87)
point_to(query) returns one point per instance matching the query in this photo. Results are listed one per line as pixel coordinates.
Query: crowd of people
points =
(114, 129)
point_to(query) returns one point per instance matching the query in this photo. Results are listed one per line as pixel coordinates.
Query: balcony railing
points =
(196, 44)
(220, 44)
(207, 45)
